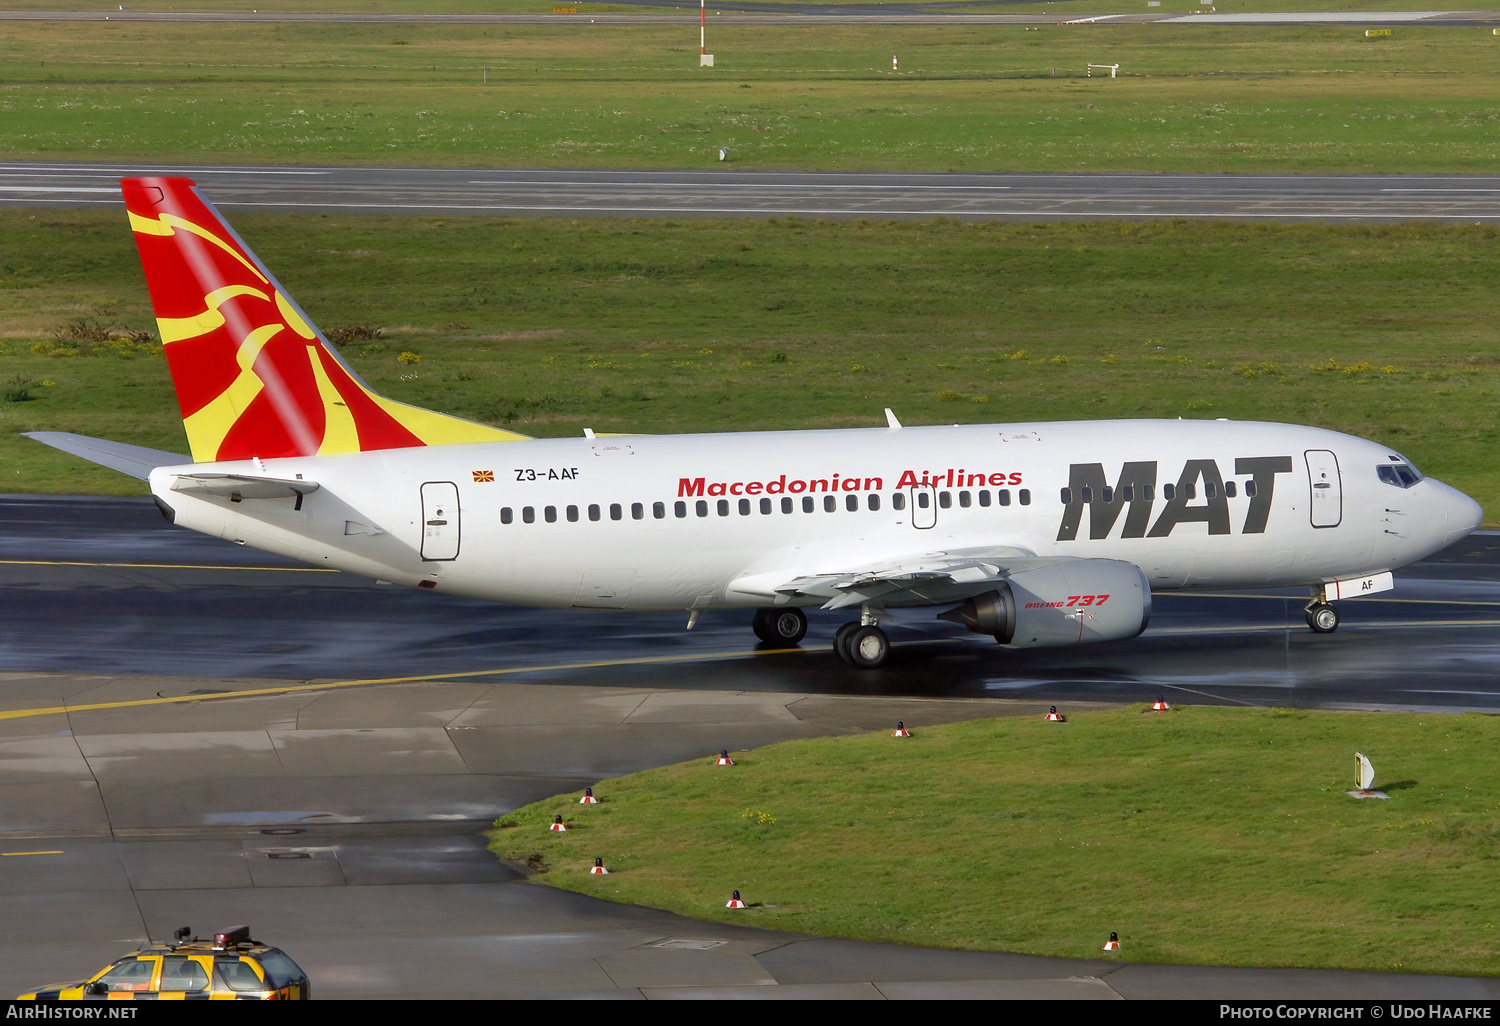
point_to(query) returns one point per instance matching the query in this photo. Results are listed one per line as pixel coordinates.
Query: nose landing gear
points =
(1321, 617)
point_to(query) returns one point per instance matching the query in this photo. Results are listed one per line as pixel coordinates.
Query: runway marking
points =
(9, 853)
(54, 188)
(16, 714)
(1356, 627)
(168, 566)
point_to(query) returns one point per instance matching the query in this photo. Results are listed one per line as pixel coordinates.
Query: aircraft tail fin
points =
(254, 377)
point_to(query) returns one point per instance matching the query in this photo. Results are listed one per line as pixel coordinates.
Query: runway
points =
(197, 733)
(729, 193)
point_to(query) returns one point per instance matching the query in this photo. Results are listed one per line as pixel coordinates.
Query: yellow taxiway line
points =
(10, 853)
(168, 566)
(16, 714)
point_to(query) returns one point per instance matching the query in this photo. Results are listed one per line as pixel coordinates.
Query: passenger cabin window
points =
(615, 512)
(984, 496)
(506, 516)
(965, 499)
(765, 507)
(945, 499)
(679, 509)
(594, 511)
(723, 505)
(637, 511)
(830, 504)
(701, 507)
(744, 507)
(807, 504)
(1086, 493)
(1003, 496)
(528, 514)
(550, 513)
(659, 510)
(1250, 489)
(1067, 496)
(1210, 489)
(1025, 496)
(1127, 493)
(873, 502)
(1107, 494)
(851, 502)
(1190, 490)
(572, 514)
(1229, 489)
(1168, 492)
(787, 505)
(898, 501)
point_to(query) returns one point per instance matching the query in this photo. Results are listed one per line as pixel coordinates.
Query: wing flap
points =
(931, 578)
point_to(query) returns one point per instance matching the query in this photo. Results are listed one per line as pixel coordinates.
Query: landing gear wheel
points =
(867, 647)
(841, 639)
(779, 626)
(1323, 618)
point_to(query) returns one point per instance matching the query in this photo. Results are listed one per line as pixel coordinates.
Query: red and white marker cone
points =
(588, 797)
(1113, 944)
(735, 901)
(1160, 705)
(558, 826)
(724, 759)
(900, 730)
(1053, 716)
(597, 869)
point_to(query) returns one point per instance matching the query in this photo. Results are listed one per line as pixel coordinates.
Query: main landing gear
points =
(785, 626)
(862, 645)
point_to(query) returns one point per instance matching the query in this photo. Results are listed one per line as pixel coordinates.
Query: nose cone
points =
(1462, 514)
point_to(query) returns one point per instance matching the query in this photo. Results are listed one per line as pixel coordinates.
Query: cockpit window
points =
(1402, 475)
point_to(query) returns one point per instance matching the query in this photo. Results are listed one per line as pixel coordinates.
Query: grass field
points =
(1204, 835)
(968, 98)
(548, 326)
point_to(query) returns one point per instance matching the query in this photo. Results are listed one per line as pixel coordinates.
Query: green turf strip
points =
(549, 326)
(1272, 100)
(1203, 835)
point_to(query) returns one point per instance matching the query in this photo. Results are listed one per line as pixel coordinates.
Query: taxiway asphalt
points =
(181, 743)
(1377, 199)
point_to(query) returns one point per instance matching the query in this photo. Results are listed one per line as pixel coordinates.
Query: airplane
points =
(1039, 534)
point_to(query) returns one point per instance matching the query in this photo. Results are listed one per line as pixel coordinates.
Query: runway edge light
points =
(558, 826)
(1053, 716)
(1160, 705)
(724, 759)
(1113, 944)
(1365, 779)
(597, 869)
(735, 902)
(588, 797)
(900, 730)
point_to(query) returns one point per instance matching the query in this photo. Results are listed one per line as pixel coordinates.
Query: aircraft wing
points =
(929, 578)
(135, 460)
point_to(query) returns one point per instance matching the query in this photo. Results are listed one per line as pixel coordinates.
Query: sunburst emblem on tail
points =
(254, 377)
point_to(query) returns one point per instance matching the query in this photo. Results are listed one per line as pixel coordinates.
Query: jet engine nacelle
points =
(1076, 602)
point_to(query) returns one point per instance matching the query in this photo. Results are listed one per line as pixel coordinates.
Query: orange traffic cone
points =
(900, 730)
(735, 901)
(588, 797)
(1054, 716)
(1113, 944)
(724, 759)
(598, 868)
(1160, 705)
(558, 826)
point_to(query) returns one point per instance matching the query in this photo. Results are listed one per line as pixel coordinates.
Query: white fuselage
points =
(1270, 505)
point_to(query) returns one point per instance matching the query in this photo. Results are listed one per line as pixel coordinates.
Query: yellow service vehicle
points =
(231, 967)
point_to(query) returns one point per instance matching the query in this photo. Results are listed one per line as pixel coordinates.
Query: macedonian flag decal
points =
(253, 376)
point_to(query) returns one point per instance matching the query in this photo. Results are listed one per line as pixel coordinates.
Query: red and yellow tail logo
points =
(253, 376)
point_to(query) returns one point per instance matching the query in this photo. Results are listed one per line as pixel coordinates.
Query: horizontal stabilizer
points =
(135, 460)
(244, 486)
